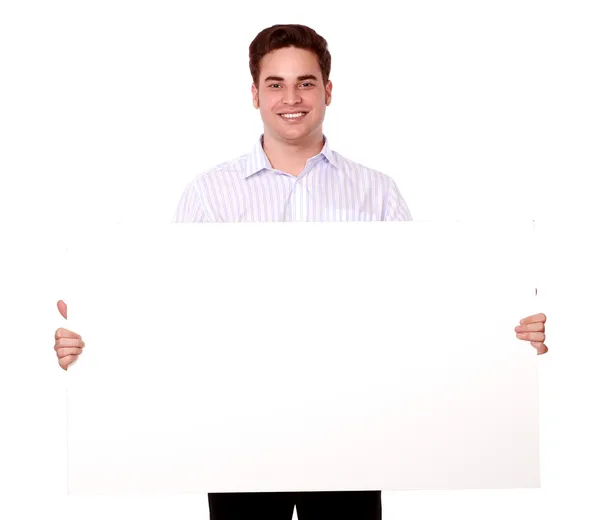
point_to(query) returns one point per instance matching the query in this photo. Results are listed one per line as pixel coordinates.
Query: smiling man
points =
(291, 106)
(292, 174)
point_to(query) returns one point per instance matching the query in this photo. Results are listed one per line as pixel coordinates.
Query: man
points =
(292, 174)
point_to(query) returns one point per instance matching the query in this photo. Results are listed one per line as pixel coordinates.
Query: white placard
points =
(302, 356)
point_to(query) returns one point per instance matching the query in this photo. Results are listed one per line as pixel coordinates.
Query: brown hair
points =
(290, 35)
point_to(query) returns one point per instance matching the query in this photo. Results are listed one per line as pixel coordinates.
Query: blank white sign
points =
(302, 356)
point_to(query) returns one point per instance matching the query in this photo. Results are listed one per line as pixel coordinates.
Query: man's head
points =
(290, 67)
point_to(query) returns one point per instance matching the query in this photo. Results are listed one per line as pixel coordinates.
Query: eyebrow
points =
(300, 78)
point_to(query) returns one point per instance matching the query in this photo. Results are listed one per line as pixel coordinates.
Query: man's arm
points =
(192, 206)
(396, 207)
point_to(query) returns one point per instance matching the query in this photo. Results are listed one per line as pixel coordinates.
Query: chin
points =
(303, 131)
(293, 135)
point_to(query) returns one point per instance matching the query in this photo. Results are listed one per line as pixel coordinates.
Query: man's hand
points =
(532, 329)
(68, 345)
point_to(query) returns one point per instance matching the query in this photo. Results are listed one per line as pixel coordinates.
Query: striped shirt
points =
(330, 188)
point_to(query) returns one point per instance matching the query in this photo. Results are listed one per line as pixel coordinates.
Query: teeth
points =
(293, 116)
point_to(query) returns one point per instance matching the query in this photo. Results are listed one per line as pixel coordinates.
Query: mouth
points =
(293, 117)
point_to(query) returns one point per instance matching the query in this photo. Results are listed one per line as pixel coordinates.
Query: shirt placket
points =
(299, 209)
(296, 208)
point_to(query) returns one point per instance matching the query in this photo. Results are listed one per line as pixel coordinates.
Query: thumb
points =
(62, 308)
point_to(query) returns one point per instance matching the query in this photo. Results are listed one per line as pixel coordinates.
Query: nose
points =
(291, 96)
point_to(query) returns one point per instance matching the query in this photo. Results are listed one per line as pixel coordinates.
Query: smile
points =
(294, 117)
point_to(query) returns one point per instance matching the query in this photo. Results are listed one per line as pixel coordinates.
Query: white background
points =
(477, 109)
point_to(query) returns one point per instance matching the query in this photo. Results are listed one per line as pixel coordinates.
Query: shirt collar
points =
(258, 160)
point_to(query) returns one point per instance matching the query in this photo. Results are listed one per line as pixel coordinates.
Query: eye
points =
(309, 84)
(274, 85)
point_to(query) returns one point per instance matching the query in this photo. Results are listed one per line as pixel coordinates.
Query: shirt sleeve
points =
(396, 208)
(191, 206)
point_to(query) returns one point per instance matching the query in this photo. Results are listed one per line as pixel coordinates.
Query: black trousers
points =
(310, 505)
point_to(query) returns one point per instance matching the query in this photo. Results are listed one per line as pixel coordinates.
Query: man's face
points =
(291, 82)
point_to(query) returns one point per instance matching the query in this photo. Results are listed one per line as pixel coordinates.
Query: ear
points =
(328, 89)
(255, 101)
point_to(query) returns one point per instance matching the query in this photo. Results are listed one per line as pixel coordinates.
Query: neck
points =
(291, 156)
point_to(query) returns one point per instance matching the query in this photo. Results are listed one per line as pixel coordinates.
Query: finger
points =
(64, 352)
(541, 317)
(62, 308)
(66, 342)
(66, 361)
(540, 347)
(531, 327)
(65, 333)
(532, 336)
